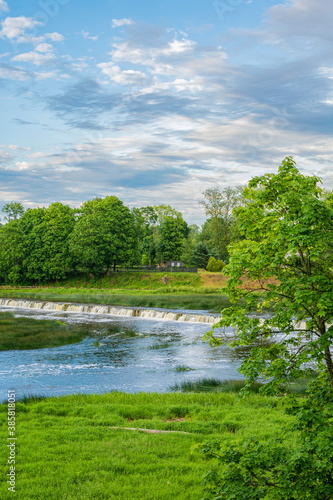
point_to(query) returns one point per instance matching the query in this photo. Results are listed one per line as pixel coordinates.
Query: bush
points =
(215, 266)
(255, 470)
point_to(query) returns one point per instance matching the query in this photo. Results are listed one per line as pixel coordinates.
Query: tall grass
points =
(214, 385)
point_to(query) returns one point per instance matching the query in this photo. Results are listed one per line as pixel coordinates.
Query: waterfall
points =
(137, 312)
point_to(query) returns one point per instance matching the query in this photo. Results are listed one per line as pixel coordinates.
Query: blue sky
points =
(156, 101)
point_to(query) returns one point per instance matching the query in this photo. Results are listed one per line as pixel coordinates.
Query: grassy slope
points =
(28, 333)
(178, 290)
(66, 449)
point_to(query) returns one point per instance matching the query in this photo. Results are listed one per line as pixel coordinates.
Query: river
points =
(136, 352)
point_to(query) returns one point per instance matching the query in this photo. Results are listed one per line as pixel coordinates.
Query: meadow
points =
(76, 446)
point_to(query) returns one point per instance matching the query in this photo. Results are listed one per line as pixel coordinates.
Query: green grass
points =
(214, 385)
(66, 447)
(171, 300)
(28, 333)
(164, 345)
(234, 386)
(183, 368)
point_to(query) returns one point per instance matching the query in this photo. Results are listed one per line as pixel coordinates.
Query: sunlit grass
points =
(67, 447)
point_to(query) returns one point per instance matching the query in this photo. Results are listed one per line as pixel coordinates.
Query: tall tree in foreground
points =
(288, 229)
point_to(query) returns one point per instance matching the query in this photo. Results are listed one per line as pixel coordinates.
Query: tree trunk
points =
(217, 236)
(329, 364)
(114, 266)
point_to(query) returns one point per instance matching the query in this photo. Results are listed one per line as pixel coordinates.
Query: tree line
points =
(47, 244)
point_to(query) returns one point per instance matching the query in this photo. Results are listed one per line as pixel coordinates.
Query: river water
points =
(135, 354)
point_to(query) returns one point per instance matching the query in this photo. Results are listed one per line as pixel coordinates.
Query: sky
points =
(156, 101)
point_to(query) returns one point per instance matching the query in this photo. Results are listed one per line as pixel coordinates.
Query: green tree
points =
(47, 232)
(200, 256)
(13, 210)
(12, 253)
(288, 229)
(219, 205)
(171, 238)
(34, 247)
(104, 235)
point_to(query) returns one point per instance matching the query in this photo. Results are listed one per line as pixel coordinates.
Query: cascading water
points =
(112, 310)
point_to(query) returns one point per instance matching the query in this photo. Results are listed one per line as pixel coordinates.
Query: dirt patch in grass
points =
(218, 281)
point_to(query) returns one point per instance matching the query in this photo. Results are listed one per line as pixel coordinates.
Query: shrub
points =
(215, 266)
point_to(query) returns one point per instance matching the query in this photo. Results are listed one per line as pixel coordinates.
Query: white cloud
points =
(126, 77)
(33, 57)
(24, 165)
(44, 47)
(87, 35)
(116, 23)
(54, 37)
(3, 6)
(11, 73)
(15, 27)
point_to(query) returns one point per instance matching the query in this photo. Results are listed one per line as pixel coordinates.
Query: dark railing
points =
(168, 269)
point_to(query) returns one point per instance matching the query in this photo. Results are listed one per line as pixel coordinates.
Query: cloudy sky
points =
(155, 101)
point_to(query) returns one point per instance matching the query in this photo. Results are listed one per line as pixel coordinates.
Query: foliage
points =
(13, 210)
(253, 470)
(35, 246)
(170, 245)
(104, 235)
(219, 205)
(288, 229)
(200, 256)
(215, 266)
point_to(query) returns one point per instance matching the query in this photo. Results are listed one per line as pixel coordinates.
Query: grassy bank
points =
(28, 333)
(67, 447)
(197, 291)
(213, 302)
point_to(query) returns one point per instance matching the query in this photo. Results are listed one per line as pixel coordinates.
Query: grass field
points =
(28, 333)
(67, 447)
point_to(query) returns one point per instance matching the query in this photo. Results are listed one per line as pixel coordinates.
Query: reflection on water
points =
(124, 360)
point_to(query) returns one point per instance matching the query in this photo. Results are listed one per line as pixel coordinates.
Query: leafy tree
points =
(104, 235)
(219, 205)
(171, 238)
(34, 247)
(47, 232)
(255, 470)
(148, 233)
(13, 210)
(200, 256)
(12, 253)
(189, 244)
(288, 230)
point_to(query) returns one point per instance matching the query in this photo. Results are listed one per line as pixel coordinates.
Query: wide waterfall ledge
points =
(138, 312)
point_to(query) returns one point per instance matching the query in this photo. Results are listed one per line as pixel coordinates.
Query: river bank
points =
(197, 291)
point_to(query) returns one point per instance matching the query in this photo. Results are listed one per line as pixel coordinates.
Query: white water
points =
(112, 310)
